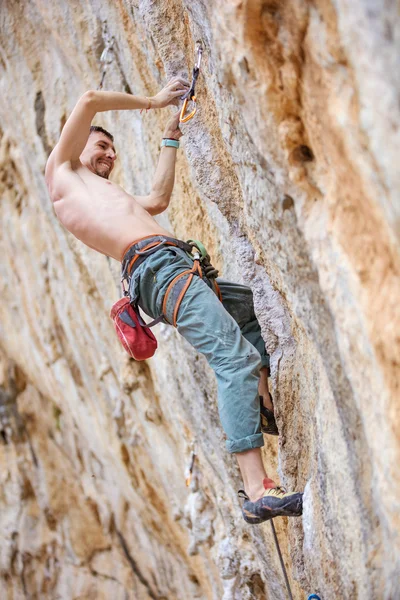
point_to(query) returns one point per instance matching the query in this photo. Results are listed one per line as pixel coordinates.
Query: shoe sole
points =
(271, 427)
(272, 431)
(258, 512)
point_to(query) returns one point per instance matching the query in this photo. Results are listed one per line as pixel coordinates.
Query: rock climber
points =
(106, 218)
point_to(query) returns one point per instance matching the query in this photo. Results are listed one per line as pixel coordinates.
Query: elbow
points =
(160, 203)
(89, 97)
(162, 206)
(163, 202)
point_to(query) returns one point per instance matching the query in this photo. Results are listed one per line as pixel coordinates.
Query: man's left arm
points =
(163, 182)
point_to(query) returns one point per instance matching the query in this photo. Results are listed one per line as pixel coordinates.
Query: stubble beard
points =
(104, 173)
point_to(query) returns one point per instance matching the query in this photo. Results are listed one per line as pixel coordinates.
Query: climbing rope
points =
(281, 560)
(107, 54)
(312, 596)
(190, 94)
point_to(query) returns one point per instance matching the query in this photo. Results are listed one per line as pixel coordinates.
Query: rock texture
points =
(289, 174)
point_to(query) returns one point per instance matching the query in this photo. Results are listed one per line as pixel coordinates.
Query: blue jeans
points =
(227, 334)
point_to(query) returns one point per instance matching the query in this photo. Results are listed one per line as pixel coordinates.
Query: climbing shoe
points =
(275, 502)
(268, 423)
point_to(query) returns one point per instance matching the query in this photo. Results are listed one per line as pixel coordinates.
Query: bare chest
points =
(100, 195)
(103, 191)
(88, 198)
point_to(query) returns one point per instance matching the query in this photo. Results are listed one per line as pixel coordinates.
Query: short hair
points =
(95, 128)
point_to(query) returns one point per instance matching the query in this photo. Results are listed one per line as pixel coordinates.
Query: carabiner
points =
(199, 55)
(199, 247)
(183, 118)
(190, 94)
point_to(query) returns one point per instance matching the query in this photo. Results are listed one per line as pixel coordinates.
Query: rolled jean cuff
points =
(246, 443)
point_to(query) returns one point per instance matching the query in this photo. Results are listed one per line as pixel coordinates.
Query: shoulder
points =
(57, 174)
(56, 161)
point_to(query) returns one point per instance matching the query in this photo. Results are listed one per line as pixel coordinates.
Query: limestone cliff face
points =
(289, 174)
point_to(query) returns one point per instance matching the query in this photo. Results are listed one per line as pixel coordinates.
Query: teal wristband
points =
(168, 142)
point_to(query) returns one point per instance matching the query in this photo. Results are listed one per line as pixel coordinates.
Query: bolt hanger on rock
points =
(190, 94)
(106, 57)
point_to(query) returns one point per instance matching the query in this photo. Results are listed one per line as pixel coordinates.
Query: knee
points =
(248, 359)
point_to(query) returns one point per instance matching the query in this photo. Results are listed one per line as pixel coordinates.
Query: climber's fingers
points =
(176, 82)
(179, 92)
(172, 130)
(176, 95)
(175, 88)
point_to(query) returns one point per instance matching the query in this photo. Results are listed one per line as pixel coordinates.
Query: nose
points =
(111, 154)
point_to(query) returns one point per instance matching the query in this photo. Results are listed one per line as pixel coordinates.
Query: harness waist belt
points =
(140, 250)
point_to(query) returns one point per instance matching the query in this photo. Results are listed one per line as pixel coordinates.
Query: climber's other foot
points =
(275, 502)
(268, 423)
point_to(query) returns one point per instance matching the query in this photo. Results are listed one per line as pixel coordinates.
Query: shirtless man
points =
(108, 219)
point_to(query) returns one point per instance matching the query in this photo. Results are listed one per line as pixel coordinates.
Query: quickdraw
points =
(189, 470)
(106, 57)
(190, 94)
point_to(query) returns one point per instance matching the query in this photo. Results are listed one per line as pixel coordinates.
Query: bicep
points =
(76, 131)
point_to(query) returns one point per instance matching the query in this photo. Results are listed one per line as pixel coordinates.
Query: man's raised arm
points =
(163, 181)
(77, 128)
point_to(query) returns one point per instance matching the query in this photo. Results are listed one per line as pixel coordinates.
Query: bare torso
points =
(97, 211)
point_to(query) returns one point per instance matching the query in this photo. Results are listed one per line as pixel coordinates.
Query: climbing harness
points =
(178, 287)
(281, 560)
(106, 57)
(190, 94)
(133, 333)
(180, 284)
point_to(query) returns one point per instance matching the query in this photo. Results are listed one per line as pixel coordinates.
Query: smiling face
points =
(99, 154)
